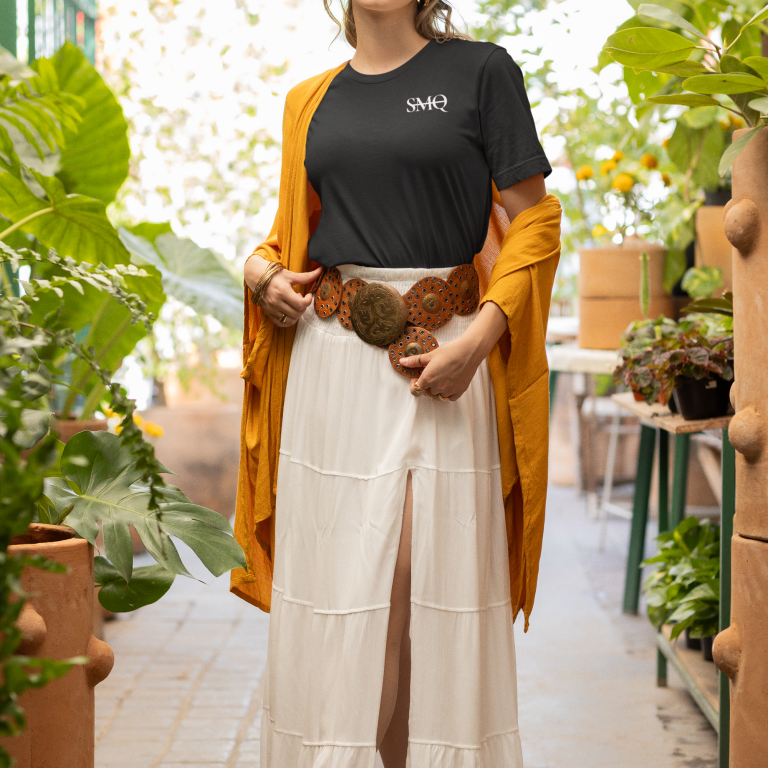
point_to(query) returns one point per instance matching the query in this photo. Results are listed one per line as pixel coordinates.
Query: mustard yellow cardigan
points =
(517, 270)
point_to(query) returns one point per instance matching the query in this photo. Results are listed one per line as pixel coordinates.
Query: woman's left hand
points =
(448, 370)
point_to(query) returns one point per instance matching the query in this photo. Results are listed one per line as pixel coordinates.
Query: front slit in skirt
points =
(351, 432)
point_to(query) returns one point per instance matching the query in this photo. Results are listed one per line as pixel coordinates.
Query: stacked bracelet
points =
(259, 289)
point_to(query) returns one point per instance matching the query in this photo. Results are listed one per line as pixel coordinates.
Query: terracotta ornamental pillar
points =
(741, 650)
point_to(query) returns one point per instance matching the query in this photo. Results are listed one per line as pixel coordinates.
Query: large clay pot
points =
(57, 623)
(68, 428)
(609, 291)
(712, 246)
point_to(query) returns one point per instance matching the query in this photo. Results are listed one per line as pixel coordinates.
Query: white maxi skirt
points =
(343, 467)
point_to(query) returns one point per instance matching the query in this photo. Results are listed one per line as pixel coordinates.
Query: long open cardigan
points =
(517, 270)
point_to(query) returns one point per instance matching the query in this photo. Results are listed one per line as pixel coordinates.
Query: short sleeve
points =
(511, 145)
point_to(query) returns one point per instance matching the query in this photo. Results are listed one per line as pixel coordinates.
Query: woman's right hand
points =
(280, 299)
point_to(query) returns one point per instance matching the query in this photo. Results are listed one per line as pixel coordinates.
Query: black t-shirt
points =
(403, 161)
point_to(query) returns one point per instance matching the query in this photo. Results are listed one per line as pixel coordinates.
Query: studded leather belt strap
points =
(381, 316)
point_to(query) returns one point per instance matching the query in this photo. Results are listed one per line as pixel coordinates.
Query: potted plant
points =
(641, 343)
(96, 478)
(699, 371)
(684, 589)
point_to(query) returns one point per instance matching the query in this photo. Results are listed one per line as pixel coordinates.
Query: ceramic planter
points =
(609, 291)
(702, 398)
(57, 623)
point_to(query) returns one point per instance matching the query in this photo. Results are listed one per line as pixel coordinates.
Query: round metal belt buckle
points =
(378, 314)
(412, 341)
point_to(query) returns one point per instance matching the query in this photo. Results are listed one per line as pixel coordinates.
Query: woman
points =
(394, 433)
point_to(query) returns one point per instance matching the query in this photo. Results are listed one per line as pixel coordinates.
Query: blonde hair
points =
(433, 20)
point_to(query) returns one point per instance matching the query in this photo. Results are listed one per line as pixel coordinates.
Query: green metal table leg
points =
(661, 659)
(726, 533)
(552, 389)
(680, 478)
(663, 481)
(639, 518)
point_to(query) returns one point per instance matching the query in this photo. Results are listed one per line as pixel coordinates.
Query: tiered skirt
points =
(351, 433)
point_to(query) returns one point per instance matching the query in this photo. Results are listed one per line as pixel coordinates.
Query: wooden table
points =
(659, 420)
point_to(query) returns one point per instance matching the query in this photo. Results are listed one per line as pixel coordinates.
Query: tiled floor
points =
(186, 686)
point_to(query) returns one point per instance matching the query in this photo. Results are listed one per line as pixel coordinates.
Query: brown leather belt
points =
(379, 315)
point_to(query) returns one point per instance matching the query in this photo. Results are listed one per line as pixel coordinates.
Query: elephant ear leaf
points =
(95, 158)
(190, 274)
(107, 489)
(148, 584)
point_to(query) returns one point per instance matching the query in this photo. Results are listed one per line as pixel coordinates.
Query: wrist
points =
(253, 269)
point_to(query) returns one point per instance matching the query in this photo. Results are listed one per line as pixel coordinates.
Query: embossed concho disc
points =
(430, 302)
(465, 283)
(412, 341)
(378, 314)
(328, 293)
(348, 292)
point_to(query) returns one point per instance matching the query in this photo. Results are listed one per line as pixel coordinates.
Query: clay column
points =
(741, 651)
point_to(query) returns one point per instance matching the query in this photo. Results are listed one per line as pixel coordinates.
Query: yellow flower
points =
(607, 167)
(599, 230)
(108, 412)
(155, 430)
(623, 182)
(665, 143)
(118, 429)
(618, 156)
(137, 419)
(649, 160)
(724, 124)
(735, 120)
(584, 173)
(667, 179)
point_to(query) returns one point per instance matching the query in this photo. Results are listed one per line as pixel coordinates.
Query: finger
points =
(285, 295)
(415, 361)
(281, 305)
(282, 323)
(415, 390)
(303, 278)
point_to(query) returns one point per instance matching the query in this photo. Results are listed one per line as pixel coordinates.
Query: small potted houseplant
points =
(684, 590)
(699, 371)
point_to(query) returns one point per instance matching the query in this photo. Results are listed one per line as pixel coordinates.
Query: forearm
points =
(254, 269)
(483, 332)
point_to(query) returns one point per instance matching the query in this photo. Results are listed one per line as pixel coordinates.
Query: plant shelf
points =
(698, 676)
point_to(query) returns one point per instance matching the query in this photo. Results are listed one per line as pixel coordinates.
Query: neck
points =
(385, 39)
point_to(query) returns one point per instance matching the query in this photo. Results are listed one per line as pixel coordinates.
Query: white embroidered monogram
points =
(433, 102)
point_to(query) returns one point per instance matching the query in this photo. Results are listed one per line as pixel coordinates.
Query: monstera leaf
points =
(106, 487)
(94, 160)
(190, 274)
(74, 225)
(147, 585)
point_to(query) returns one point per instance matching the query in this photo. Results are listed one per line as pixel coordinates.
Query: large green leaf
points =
(648, 47)
(735, 82)
(102, 323)
(95, 158)
(734, 149)
(759, 64)
(684, 100)
(760, 105)
(148, 584)
(660, 13)
(192, 275)
(74, 225)
(108, 489)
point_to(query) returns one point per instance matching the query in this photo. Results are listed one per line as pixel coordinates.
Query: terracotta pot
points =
(602, 321)
(68, 428)
(57, 622)
(712, 246)
(609, 291)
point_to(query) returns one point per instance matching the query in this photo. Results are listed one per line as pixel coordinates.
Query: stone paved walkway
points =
(186, 686)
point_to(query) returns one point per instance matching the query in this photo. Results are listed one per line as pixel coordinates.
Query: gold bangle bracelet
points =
(259, 289)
